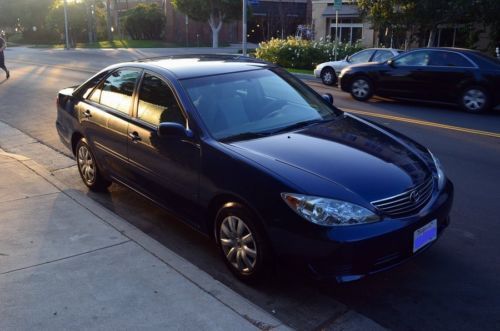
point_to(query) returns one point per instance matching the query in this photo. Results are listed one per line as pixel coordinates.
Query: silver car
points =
(329, 71)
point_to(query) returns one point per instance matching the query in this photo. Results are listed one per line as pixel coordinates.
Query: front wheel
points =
(474, 100)
(87, 167)
(242, 243)
(328, 76)
(361, 89)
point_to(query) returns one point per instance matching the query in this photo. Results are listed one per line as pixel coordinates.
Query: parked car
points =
(460, 76)
(252, 157)
(329, 71)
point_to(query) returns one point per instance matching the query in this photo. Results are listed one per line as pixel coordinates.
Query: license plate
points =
(424, 235)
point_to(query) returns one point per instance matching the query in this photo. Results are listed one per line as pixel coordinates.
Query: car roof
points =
(451, 49)
(385, 49)
(189, 66)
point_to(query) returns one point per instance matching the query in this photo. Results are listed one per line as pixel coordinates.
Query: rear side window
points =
(157, 103)
(91, 84)
(116, 91)
(448, 59)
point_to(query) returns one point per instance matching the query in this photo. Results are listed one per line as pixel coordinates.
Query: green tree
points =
(425, 16)
(215, 12)
(24, 15)
(145, 21)
(77, 20)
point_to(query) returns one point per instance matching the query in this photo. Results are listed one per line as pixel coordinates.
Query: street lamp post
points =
(244, 40)
(66, 23)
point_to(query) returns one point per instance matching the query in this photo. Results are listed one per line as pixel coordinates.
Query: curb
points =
(246, 309)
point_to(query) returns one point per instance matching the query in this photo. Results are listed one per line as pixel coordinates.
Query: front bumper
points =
(317, 72)
(350, 253)
(344, 82)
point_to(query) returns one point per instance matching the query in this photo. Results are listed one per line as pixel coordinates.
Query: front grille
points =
(407, 203)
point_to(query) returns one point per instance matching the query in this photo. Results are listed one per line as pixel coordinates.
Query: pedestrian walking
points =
(3, 45)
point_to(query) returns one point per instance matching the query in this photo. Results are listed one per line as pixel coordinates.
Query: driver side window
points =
(420, 58)
(363, 56)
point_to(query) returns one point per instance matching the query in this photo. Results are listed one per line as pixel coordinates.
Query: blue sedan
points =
(252, 157)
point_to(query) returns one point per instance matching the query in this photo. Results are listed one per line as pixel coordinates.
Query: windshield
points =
(254, 102)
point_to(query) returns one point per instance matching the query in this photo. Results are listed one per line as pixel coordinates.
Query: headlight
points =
(441, 178)
(328, 212)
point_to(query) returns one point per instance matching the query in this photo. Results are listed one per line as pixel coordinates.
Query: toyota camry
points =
(252, 157)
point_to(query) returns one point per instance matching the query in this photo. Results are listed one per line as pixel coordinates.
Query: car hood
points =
(359, 156)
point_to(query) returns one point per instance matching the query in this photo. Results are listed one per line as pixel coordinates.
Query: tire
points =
(475, 99)
(361, 88)
(242, 243)
(328, 76)
(87, 167)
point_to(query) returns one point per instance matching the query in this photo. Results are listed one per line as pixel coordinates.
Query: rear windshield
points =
(485, 60)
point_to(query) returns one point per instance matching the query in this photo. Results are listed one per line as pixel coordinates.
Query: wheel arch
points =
(75, 138)
(225, 200)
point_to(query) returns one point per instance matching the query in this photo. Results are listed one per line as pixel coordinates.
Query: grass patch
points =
(299, 71)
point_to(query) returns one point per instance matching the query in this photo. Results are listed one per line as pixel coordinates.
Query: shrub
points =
(302, 54)
(145, 21)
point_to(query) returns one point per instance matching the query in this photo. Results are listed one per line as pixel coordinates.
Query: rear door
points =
(445, 72)
(165, 167)
(105, 117)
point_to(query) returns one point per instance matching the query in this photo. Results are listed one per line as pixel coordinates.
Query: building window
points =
(348, 33)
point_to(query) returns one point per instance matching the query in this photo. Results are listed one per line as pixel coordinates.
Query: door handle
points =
(134, 136)
(87, 114)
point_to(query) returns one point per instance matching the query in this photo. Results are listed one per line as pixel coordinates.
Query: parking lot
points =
(454, 285)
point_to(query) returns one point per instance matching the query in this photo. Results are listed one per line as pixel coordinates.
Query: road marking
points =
(424, 123)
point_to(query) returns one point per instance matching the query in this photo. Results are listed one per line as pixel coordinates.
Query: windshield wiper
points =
(299, 125)
(244, 136)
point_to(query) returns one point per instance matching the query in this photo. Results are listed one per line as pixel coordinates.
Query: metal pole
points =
(336, 32)
(454, 36)
(66, 23)
(244, 40)
(187, 31)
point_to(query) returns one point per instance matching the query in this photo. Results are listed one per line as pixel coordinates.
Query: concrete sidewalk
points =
(68, 263)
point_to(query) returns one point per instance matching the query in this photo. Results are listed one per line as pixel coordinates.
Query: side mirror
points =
(328, 97)
(347, 58)
(173, 130)
(390, 62)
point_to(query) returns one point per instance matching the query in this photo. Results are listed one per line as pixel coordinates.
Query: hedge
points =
(302, 54)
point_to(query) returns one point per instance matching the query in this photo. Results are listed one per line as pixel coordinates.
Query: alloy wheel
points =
(360, 88)
(238, 244)
(86, 164)
(328, 77)
(474, 100)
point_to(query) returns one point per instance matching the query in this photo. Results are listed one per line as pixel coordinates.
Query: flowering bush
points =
(303, 54)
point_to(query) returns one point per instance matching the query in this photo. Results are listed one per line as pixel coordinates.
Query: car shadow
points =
(411, 296)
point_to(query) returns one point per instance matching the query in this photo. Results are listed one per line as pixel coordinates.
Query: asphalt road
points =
(455, 285)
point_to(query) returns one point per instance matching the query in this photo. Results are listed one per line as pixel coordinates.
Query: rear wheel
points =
(242, 243)
(361, 89)
(328, 76)
(475, 99)
(87, 167)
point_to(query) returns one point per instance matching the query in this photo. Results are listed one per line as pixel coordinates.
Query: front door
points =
(165, 167)
(403, 78)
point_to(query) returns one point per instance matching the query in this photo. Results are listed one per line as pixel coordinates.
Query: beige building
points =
(351, 27)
